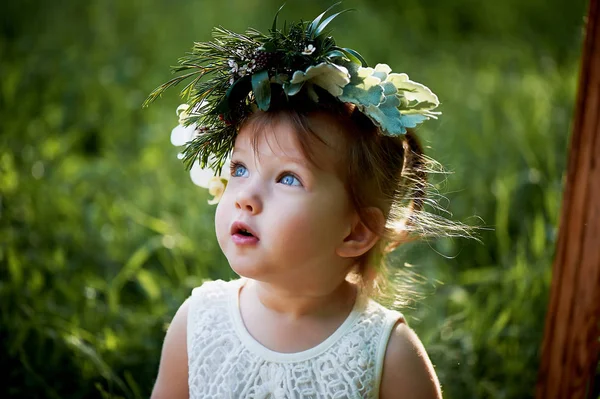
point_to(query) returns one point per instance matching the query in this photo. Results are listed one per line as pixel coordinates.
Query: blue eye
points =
(238, 170)
(290, 180)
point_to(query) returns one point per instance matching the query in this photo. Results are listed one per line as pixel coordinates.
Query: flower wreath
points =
(242, 70)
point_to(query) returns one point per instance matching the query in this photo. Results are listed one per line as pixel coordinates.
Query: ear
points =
(361, 239)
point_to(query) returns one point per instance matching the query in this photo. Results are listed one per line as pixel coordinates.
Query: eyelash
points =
(234, 165)
(284, 174)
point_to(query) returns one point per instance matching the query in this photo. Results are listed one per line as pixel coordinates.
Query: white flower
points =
(331, 77)
(216, 188)
(181, 135)
(182, 113)
(203, 177)
(233, 65)
(308, 50)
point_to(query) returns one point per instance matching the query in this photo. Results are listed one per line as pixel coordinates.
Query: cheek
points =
(221, 222)
(303, 229)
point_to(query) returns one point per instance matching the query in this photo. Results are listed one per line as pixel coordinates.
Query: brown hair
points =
(388, 172)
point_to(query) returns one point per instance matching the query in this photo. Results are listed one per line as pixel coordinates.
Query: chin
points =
(251, 270)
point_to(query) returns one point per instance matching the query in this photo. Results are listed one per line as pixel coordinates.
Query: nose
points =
(248, 200)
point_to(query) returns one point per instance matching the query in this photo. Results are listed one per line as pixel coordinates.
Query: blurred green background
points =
(102, 234)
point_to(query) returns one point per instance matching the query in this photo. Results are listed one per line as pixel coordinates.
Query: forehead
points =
(316, 139)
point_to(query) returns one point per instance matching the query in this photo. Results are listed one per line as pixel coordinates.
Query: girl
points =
(324, 180)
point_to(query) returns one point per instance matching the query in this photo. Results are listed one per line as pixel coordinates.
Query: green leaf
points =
(336, 54)
(354, 54)
(269, 47)
(14, 267)
(148, 282)
(131, 268)
(261, 86)
(280, 79)
(291, 89)
(275, 19)
(313, 26)
(237, 90)
(348, 55)
(323, 25)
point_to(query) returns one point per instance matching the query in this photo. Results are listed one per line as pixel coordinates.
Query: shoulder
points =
(407, 365)
(172, 380)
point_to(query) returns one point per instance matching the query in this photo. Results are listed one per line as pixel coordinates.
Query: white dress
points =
(225, 361)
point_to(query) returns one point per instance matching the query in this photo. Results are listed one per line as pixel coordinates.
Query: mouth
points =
(243, 231)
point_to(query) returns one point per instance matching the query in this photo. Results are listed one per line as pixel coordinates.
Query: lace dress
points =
(225, 361)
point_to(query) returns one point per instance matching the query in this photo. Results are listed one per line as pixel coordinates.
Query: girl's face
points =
(297, 214)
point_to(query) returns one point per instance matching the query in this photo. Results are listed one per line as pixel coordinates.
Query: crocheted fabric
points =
(225, 361)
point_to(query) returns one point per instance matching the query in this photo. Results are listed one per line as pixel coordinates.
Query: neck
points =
(295, 304)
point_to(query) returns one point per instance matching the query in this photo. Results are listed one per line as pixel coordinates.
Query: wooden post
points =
(571, 345)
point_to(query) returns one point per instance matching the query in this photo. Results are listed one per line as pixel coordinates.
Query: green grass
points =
(102, 235)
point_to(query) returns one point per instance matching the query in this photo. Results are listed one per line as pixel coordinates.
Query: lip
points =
(241, 239)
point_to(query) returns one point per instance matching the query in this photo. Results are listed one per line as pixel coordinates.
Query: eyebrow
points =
(299, 161)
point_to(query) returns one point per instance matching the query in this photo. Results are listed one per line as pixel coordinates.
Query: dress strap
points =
(209, 290)
(392, 317)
